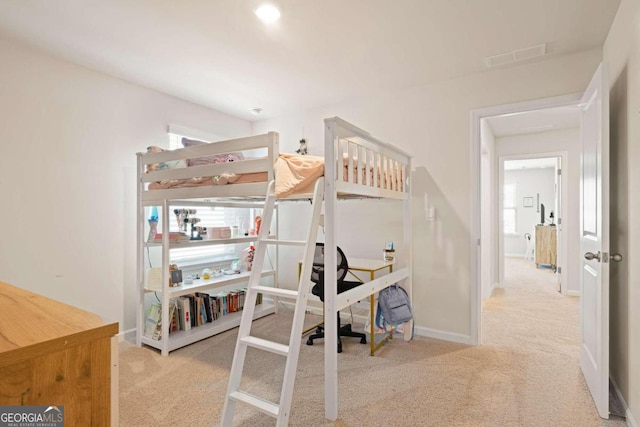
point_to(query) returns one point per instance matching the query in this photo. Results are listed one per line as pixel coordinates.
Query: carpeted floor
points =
(526, 372)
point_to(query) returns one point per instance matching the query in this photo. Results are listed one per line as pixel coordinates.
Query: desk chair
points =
(317, 277)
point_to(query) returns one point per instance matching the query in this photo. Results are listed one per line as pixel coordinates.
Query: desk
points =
(371, 266)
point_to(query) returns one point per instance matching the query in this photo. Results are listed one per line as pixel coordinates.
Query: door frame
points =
(475, 300)
(563, 209)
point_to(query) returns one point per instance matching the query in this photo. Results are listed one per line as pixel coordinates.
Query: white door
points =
(558, 220)
(594, 229)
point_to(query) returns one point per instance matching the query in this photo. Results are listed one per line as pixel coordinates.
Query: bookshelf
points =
(158, 254)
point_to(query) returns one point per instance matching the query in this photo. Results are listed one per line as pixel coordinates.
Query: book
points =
(214, 307)
(173, 315)
(224, 303)
(198, 316)
(207, 306)
(233, 301)
(241, 296)
(192, 308)
(185, 308)
(153, 322)
(202, 311)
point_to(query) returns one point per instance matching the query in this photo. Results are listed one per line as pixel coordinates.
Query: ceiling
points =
(218, 54)
(550, 119)
(539, 163)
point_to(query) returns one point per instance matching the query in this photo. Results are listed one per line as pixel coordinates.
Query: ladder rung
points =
(285, 242)
(266, 345)
(265, 406)
(277, 292)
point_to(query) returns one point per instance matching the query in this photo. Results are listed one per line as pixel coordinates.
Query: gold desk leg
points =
(372, 341)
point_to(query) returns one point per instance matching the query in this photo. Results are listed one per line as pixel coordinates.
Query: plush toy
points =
(171, 164)
(303, 147)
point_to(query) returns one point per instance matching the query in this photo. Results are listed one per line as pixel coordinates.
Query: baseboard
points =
(443, 335)
(573, 293)
(128, 335)
(418, 330)
(631, 422)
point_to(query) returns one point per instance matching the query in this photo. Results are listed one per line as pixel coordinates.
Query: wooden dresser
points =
(546, 245)
(52, 354)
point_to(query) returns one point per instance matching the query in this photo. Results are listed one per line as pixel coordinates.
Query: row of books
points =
(193, 310)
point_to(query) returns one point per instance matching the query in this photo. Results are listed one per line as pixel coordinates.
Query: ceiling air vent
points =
(516, 55)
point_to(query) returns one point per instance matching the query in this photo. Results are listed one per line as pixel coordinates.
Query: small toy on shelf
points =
(247, 257)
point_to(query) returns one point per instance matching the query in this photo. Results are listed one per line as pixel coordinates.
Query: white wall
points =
(530, 182)
(68, 177)
(433, 123)
(622, 53)
(554, 141)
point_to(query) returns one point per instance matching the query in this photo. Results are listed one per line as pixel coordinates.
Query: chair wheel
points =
(309, 341)
(363, 340)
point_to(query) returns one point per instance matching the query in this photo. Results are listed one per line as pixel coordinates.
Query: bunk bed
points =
(355, 165)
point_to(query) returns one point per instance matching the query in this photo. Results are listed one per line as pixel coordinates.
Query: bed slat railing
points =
(365, 168)
(264, 141)
(240, 167)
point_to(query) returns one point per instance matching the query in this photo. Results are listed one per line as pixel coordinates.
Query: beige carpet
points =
(526, 373)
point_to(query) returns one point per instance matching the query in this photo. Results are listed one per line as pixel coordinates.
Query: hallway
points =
(529, 317)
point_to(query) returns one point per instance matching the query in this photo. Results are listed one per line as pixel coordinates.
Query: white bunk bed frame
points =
(342, 141)
(341, 137)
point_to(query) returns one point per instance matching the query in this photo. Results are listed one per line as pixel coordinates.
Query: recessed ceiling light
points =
(256, 111)
(268, 13)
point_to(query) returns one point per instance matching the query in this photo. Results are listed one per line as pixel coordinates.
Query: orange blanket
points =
(294, 172)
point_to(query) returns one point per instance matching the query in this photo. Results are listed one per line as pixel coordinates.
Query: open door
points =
(594, 237)
(559, 228)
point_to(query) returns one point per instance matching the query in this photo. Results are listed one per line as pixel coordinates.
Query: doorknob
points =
(616, 257)
(591, 255)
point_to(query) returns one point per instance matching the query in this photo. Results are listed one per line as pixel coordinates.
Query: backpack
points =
(394, 305)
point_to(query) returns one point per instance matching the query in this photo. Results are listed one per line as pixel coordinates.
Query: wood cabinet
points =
(546, 245)
(52, 354)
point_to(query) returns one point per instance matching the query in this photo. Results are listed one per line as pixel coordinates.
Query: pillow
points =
(171, 164)
(208, 160)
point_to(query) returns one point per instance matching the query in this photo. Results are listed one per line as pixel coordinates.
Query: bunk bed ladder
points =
(280, 410)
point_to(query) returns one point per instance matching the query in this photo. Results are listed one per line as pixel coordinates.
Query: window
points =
(509, 208)
(209, 216)
(176, 133)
